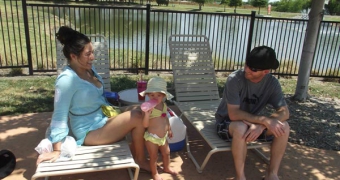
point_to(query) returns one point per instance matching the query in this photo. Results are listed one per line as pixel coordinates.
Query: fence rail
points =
(138, 36)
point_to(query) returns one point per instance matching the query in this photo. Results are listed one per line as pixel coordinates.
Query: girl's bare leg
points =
(153, 154)
(165, 150)
(117, 128)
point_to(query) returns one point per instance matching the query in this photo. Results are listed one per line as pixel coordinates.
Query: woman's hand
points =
(51, 156)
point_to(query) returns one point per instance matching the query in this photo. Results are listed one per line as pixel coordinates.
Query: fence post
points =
(251, 30)
(147, 39)
(27, 36)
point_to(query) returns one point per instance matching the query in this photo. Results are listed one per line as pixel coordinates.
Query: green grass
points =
(26, 94)
(35, 94)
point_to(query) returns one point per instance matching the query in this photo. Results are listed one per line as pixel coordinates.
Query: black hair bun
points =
(65, 35)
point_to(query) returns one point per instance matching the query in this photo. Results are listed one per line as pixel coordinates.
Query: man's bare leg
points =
(238, 147)
(278, 149)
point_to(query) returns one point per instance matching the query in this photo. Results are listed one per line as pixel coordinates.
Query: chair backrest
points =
(193, 68)
(101, 53)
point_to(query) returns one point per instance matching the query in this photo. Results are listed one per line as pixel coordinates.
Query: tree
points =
(315, 18)
(333, 7)
(235, 3)
(259, 3)
(200, 3)
(225, 3)
(292, 5)
(160, 2)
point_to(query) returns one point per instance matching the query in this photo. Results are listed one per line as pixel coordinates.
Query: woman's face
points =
(86, 57)
(156, 96)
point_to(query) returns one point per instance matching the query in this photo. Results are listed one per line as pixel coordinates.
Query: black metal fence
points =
(138, 35)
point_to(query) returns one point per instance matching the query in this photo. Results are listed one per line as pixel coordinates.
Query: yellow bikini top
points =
(158, 113)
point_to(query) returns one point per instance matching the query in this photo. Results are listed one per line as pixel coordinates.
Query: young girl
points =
(158, 127)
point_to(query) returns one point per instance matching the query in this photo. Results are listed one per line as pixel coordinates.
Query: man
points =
(246, 92)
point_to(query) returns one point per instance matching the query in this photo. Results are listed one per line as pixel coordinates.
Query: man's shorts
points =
(223, 132)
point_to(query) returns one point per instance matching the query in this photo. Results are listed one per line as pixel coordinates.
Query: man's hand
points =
(253, 132)
(51, 156)
(274, 126)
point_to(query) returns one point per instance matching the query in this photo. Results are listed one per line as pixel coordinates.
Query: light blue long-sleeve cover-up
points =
(79, 101)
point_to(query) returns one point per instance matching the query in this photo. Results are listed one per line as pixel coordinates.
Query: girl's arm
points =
(146, 118)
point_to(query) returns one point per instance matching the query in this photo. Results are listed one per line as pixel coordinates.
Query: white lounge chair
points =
(92, 159)
(196, 91)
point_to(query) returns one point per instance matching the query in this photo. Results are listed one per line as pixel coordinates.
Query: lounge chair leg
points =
(262, 156)
(199, 170)
(135, 175)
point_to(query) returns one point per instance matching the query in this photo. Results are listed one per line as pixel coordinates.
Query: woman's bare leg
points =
(117, 128)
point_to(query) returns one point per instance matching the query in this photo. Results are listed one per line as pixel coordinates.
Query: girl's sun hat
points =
(157, 84)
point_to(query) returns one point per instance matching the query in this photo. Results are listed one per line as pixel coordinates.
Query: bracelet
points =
(57, 150)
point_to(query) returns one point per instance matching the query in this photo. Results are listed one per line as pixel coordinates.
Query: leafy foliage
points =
(160, 2)
(235, 3)
(333, 7)
(259, 4)
(224, 3)
(200, 3)
(292, 5)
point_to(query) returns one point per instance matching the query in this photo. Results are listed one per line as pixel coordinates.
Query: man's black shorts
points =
(223, 132)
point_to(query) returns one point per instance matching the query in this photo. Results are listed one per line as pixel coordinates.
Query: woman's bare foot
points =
(157, 177)
(170, 171)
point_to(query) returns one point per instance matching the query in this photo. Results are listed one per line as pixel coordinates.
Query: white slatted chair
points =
(196, 91)
(92, 158)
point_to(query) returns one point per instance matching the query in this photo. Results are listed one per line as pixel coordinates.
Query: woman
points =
(79, 97)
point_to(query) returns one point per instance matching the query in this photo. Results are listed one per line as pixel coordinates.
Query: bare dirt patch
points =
(314, 123)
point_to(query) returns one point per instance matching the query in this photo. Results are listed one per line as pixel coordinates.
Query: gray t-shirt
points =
(252, 97)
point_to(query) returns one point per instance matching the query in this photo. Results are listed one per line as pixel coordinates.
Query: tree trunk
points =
(315, 17)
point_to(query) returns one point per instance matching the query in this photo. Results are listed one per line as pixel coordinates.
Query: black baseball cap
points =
(262, 57)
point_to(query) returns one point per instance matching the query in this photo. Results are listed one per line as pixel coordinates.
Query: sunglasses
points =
(254, 69)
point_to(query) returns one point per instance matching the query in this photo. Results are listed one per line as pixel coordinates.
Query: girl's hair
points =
(73, 41)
